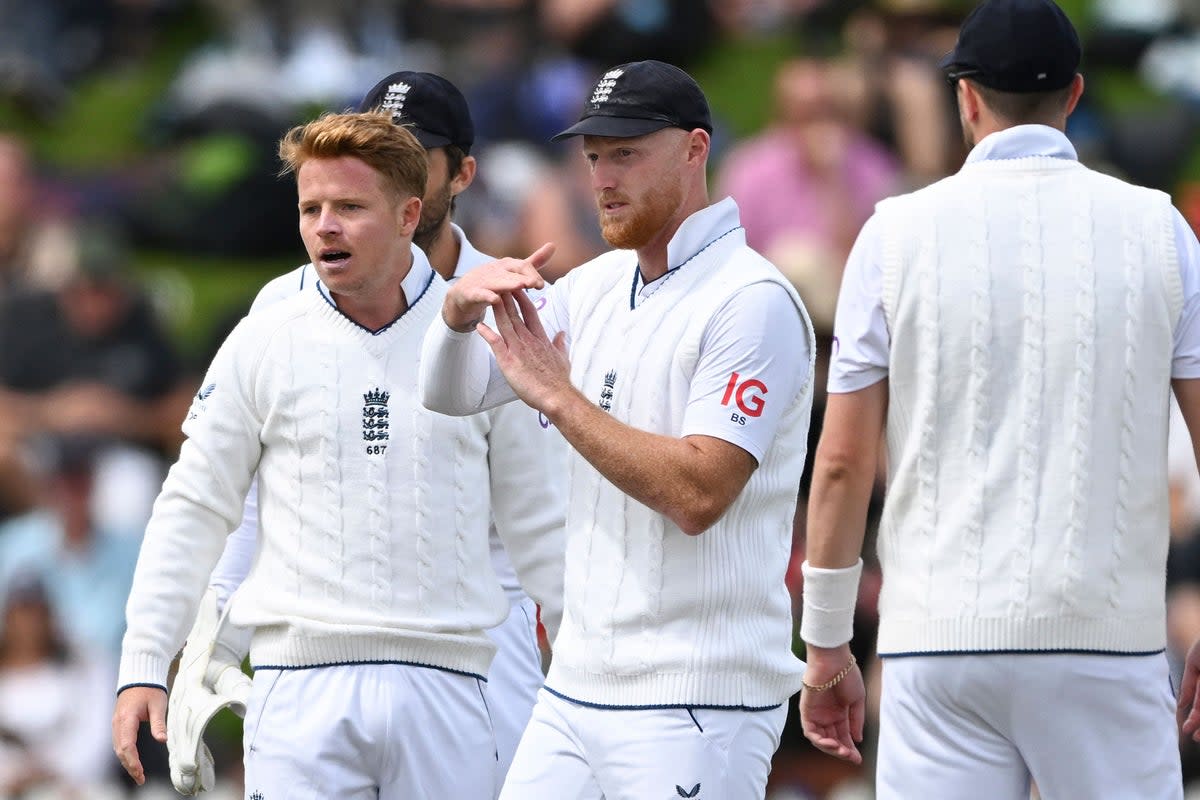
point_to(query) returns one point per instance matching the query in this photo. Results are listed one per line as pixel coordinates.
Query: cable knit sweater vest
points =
(653, 616)
(1031, 304)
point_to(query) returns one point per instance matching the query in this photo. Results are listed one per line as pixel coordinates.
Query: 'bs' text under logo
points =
(750, 396)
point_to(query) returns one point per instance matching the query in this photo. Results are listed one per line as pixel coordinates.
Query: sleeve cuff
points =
(143, 669)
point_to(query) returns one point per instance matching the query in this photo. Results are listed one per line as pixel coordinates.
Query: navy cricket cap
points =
(429, 105)
(639, 98)
(1016, 46)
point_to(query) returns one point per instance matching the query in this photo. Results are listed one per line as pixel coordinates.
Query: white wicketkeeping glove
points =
(210, 678)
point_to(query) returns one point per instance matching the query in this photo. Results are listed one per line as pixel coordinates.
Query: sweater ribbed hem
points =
(1146, 633)
(711, 689)
(143, 669)
(284, 648)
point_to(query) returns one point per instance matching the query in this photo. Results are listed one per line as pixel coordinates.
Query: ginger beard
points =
(644, 218)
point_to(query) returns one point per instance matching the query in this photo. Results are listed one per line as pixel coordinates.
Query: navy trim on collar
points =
(637, 270)
(325, 294)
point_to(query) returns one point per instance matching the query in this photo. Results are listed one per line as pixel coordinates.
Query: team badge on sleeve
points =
(199, 403)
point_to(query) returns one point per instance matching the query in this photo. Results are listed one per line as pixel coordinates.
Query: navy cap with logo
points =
(1016, 46)
(429, 105)
(639, 98)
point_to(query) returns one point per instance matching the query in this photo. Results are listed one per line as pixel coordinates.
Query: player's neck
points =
(652, 256)
(442, 248)
(378, 305)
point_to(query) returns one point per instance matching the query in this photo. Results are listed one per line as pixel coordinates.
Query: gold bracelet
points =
(832, 682)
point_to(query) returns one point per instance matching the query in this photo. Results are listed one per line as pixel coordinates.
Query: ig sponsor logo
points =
(748, 395)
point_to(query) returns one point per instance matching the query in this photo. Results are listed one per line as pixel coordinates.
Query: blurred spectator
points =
(561, 208)
(281, 57)
(897, 44)
(90, 359)
(53, 728)
(87, 568)
(808, 183)
(618, 31)
(25, 237)
(213, 187)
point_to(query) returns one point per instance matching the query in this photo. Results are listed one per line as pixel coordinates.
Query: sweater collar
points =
(1023, 141)
(414, 284)
(698, 230)
(468, 257)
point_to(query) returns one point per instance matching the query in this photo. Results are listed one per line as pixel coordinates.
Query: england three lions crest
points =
(610, 387)
(375, 416)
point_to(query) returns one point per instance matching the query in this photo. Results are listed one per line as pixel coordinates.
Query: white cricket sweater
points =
(655, 617)
(1031, 304)
(374, 511)
(526, 465)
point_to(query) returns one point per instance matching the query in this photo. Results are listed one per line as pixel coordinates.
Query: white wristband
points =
(829, 598)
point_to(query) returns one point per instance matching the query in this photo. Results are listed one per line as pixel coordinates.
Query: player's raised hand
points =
(471, 295)
(1187, 710)
(832, 719)
(535, 367)
(136, 705)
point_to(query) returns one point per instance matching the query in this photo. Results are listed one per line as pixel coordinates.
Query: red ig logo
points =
(749, 396)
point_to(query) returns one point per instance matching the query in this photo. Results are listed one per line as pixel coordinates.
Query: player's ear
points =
(698, 144)
(408, 214)
(465, 175)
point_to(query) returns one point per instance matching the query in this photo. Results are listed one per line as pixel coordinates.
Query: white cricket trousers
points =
(368, 732)
(967, 727)
(575, 752)
(514, 679)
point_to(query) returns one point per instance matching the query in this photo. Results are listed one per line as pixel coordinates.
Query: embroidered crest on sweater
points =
(606, 394)
(375, 415)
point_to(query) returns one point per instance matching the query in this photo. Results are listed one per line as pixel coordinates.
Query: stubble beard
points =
(968, 137)
(434, 211)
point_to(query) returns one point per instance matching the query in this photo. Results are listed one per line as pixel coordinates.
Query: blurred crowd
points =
(94, 382)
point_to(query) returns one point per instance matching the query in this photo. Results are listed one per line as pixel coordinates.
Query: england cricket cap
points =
(1016, 46)
(429, 105)
(639, 98)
